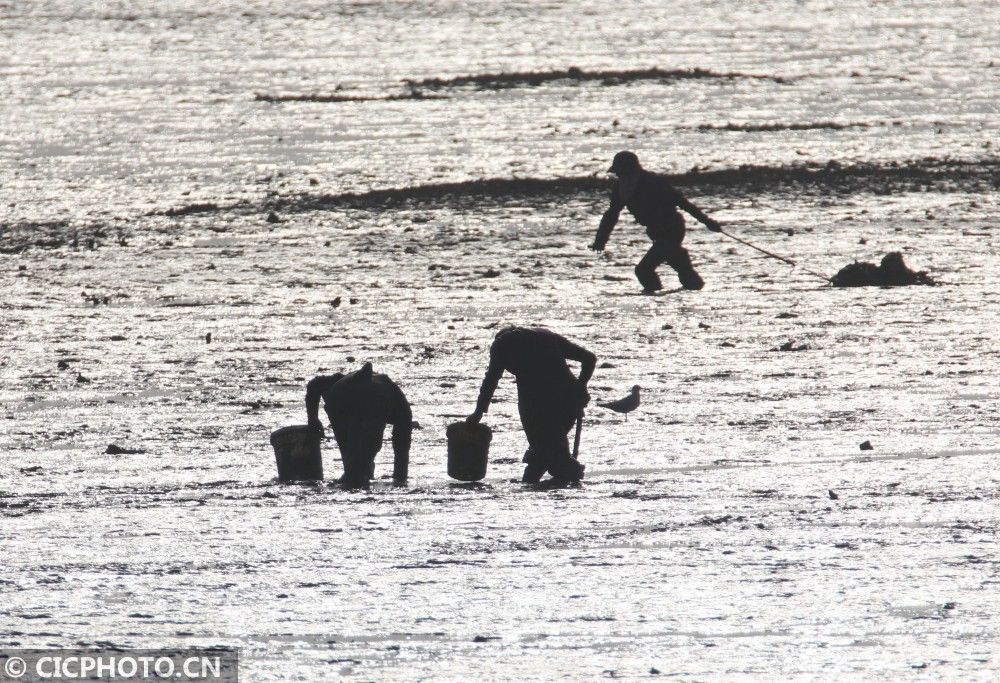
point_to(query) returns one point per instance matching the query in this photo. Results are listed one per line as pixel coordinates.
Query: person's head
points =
(504, 331)
(624, 163)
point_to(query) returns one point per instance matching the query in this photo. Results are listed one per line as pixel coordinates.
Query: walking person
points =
(359, 406)
(653, 202)
(550, 398)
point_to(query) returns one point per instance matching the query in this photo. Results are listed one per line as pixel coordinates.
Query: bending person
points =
(549, 397)
(359, 406)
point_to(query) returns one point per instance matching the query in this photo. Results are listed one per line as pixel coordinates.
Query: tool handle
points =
(576, 439)
(773, 255)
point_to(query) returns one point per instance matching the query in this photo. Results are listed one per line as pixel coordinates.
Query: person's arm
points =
(489, 386)
(585, 358)
(402, 434)
(683, 203)
(314, 391)
(608, 221)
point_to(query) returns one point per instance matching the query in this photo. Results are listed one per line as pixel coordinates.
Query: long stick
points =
(773, 255)
(576, 439)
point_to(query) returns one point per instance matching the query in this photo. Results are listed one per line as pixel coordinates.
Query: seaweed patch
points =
(332, 98)
(777, 127)
(530, 79)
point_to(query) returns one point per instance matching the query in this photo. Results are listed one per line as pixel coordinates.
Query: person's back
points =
(359, 405)
(363, 392)
(532, 355)
(653, 202)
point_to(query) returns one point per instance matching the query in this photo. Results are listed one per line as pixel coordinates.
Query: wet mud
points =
(714, 496)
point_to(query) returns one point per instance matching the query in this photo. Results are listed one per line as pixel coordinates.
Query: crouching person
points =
(549, 397)
(360, 405)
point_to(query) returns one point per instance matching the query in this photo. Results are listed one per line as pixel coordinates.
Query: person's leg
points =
(680, 260)
(535, 457)
(562, 466)
(533, 469)
(359, 441)
(548, 438)
(669, 241)
(645, 270)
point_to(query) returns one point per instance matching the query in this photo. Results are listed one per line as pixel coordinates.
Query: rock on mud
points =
(891, 272)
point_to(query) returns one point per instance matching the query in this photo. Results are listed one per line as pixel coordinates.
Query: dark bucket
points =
(297, 451)
(468, 450)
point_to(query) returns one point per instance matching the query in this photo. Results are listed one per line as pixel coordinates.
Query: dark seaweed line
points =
(853, 178)
(535, 78)
(206, 207)
(412, 95)
(946, 175)
(774, 127)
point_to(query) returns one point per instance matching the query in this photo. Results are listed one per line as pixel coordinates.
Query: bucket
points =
(297, 452)
(468, 450)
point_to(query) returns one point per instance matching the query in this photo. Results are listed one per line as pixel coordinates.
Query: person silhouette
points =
(359, 406)
(549, 397)
(653, 202)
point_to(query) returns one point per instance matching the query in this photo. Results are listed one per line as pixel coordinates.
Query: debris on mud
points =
(790, 346)
(96, 299)
(115, 449)
(206, 207)
(891, 272)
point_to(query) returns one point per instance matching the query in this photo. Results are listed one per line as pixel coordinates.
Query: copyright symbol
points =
(15, 667)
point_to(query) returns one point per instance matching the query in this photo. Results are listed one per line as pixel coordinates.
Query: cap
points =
(624, 161)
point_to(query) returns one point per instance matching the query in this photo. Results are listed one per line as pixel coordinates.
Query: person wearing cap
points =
(549, 398)
(359, 406)
(654, 203)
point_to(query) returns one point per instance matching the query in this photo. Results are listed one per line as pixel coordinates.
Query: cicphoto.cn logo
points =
(28, 666)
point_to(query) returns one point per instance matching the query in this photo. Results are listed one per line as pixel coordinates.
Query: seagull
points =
(624, 405)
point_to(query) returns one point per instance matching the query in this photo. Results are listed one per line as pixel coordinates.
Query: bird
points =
(624, 405)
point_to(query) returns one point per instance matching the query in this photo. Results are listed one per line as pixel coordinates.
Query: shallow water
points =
(704, 542)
